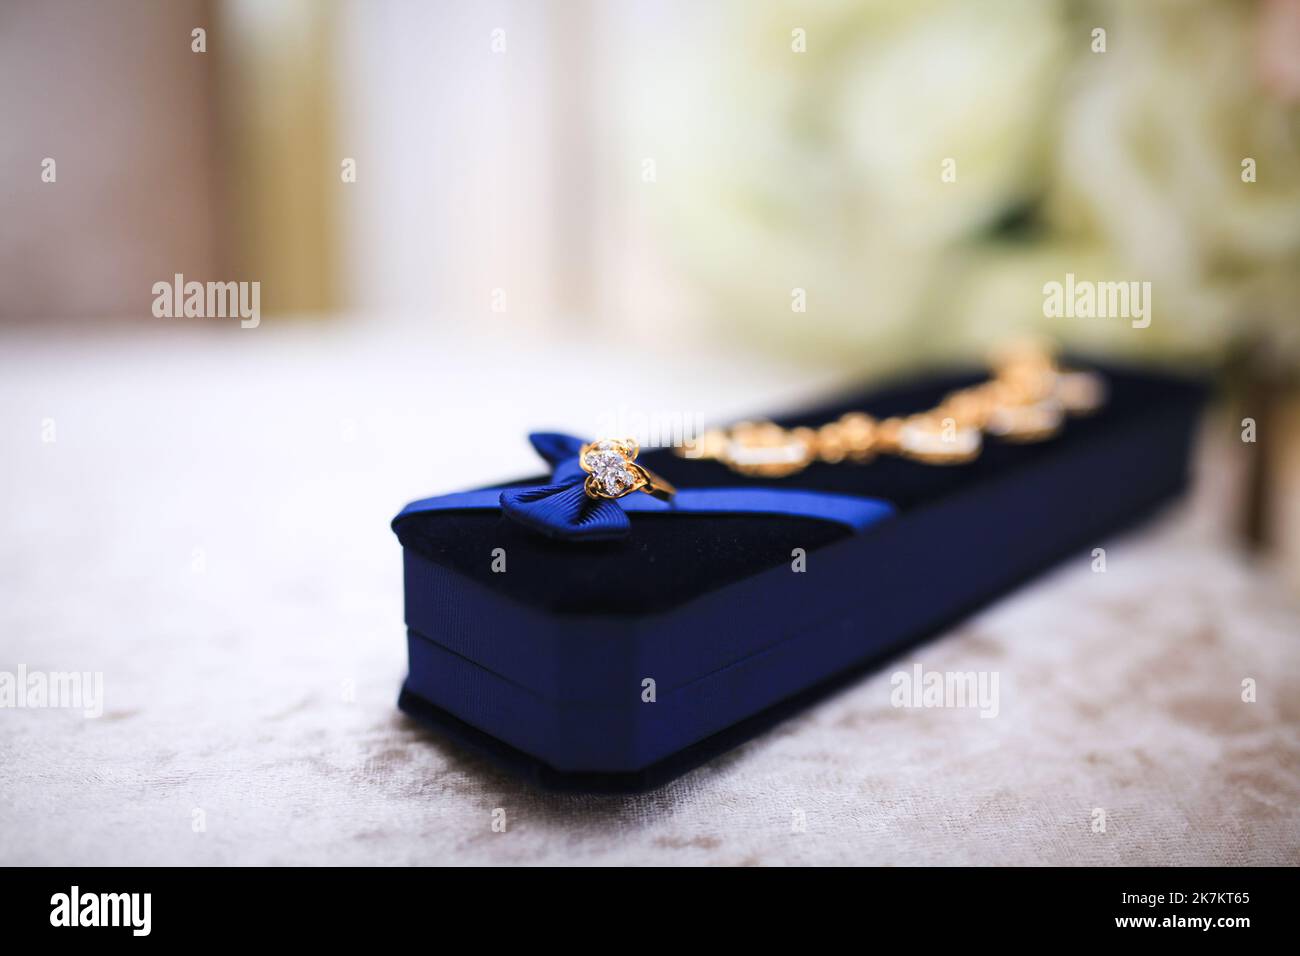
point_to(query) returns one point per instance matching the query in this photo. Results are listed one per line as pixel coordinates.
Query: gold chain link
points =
(1027, 399)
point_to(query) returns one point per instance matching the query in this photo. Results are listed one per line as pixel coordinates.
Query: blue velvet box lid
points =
(620, 664)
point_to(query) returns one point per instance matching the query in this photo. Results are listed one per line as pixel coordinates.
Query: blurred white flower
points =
(825, 171)
(1153, 143)
(967, 84)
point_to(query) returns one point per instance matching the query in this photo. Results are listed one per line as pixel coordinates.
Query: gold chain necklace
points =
(1027, 399)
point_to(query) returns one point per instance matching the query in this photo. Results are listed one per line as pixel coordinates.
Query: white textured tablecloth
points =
(208, 528)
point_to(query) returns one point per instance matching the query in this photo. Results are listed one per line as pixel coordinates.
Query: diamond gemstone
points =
(616, 480)
(609, 466)
(608, 463)
(602, 461)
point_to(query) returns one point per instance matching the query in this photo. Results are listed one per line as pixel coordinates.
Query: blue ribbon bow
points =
(563, 509)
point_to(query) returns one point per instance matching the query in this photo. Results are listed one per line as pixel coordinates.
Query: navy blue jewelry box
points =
(619, 665)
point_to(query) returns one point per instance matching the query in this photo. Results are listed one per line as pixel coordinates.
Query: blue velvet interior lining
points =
(669, 559)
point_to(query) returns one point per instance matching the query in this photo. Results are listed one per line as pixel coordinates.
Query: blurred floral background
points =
(666, 175)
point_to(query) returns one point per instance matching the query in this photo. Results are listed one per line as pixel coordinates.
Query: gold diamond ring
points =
(612, 471)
